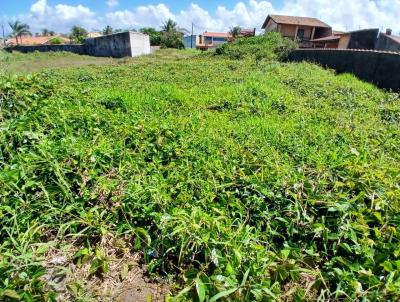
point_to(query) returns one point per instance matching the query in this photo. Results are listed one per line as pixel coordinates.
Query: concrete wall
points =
(385, 42)
(126, 44)
(140, 44)
(380, 68)
(75, 48)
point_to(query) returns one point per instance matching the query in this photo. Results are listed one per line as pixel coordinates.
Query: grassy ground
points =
(232, 180)
(19, 62)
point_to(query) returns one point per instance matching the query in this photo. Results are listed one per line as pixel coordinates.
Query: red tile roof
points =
(327, 39)
(27, 40)
(293, 20)
(217, 35)
(396, 38)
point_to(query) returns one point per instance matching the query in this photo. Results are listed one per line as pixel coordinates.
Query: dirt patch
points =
(110, 273)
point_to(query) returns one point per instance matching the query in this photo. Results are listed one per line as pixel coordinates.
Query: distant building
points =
(190, 41)
(387, 41)
(212, 39)
(303, 29)
(247, 32)
(40, 40)
(94, 34)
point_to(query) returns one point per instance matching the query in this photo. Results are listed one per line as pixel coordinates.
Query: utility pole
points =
(191, 38)
(4, 36)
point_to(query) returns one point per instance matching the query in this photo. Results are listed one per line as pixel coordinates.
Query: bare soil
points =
(124, 281)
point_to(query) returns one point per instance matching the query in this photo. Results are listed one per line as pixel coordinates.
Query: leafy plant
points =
(235, 181)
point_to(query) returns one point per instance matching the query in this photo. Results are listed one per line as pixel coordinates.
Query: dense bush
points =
(172, 39)
(56, 41)
(243, 182)
(268, 46)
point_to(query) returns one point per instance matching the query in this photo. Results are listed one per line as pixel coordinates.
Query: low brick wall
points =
(75, 48)
(379, 67)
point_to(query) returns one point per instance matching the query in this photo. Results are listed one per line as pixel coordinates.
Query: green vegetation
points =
(78, 34)
(108, 30)
(155, 35)
(56, 40)
(170, 36)
(19, 62)
(18, 30)
(272, 46)
(238, 180)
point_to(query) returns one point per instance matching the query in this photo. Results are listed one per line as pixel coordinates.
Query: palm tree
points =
(169, 26)
(19, 29)
(45, 32)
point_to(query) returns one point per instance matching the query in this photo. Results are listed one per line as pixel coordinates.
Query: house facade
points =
(303, 29)
(387, 41)
(212, 40)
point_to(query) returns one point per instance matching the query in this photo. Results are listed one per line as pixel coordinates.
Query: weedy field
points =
(226, 180)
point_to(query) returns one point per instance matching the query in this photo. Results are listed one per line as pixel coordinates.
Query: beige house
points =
(303, 29)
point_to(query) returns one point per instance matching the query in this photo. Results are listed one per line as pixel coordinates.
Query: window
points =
(300, 33)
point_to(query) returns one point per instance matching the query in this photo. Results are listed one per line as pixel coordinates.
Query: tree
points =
(45, 32)
(169, 26)
(235, 31)
(78, 34)
(52, 33)
(155, 35)
(19, 29)
(171, 37)
(108, 30)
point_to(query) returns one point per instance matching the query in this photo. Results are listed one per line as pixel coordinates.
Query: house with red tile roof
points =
(31, 40)
(212, 39)
(387, 41)
(303, 29)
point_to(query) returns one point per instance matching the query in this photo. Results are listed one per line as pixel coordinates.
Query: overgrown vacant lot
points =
(231, 180)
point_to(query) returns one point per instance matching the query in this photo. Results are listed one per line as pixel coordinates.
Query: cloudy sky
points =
(61, 15)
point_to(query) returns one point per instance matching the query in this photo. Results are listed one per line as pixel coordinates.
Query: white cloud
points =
(59, 18)
(112, 3)
(341, 14)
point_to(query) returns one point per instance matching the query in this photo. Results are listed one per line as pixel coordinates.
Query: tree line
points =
(169, 36)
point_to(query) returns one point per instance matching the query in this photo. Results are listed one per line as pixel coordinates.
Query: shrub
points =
(56, 41)
(172, 39)
(270, 46)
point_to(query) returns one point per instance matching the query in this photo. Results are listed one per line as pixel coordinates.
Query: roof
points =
(217, 35)
(293, 20)
(27, 40)
(395, 38)
(362, 30)
(338, 32)
(327, 39)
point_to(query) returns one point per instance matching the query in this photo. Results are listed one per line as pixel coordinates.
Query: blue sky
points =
(219, 15)
(16, 7)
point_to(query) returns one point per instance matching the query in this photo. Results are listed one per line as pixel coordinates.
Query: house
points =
(40, 40)
(331, 41)
(359, 39)
(94, 34)
(387, 41)
(212, 39)
(303, 29)
(247, 32)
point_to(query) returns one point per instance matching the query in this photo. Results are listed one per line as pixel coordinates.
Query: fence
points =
(125, 44)
(379, 67)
